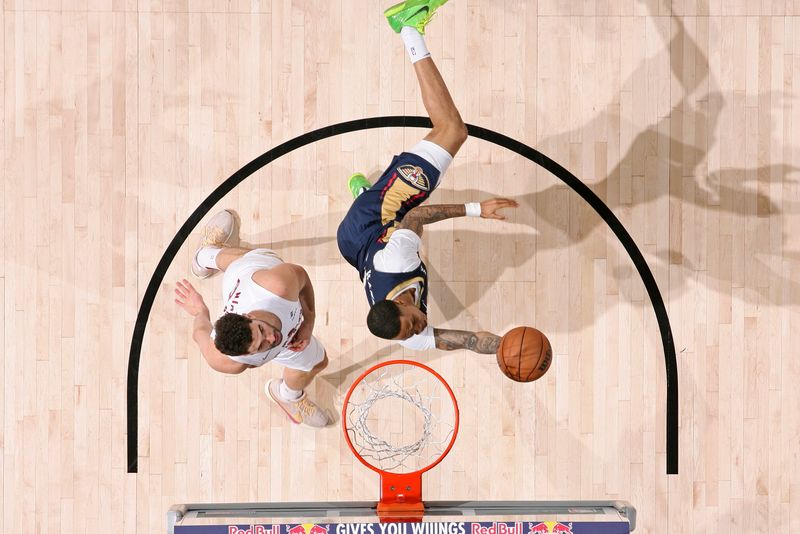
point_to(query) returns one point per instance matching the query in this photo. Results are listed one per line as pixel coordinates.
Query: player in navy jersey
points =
(380, 235)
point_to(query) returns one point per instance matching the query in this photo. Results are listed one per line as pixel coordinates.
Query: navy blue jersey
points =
(376, 213)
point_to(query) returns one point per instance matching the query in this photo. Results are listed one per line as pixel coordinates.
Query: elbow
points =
(232, 368)
(411, 218)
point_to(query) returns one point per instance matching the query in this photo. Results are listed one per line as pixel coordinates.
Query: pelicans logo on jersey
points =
(415, 176)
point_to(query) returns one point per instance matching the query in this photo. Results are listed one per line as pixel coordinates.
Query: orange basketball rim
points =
(400, 418)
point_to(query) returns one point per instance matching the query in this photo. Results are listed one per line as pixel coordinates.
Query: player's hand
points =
(302, 337)
(489, 207)
(187, 297)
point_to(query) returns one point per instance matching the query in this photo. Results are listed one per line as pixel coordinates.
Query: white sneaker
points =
(301, 411)
(217, 232)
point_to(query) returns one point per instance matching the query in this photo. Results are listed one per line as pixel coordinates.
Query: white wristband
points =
(473, 209)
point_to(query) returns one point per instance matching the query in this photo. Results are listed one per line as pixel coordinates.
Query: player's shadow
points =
(290, 248)
(658, 163)
(290, 238)
(739, 191)
(724, 191)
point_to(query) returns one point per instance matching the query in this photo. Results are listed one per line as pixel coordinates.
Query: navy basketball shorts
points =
(375, 214)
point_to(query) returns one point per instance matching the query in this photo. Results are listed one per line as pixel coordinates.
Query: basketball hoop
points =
(400, 419)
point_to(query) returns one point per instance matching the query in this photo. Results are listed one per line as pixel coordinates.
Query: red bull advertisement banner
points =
(446, 527)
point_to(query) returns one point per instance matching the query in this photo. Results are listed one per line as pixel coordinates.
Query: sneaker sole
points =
(201, 276)
(397, 8)
(233, 227)
(394, 10)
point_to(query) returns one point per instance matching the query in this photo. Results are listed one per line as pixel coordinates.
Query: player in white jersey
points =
(268, 316)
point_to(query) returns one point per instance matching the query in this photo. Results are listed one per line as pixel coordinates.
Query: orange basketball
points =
(524, 354)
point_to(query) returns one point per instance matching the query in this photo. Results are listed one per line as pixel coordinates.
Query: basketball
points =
(524, 354)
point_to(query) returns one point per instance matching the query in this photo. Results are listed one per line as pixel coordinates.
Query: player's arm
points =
(291, 281)
(480, 342)
(422, 215)
(306, 294)
(306, 297)
(187, 297)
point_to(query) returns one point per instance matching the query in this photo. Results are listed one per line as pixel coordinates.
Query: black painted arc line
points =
(415, 122)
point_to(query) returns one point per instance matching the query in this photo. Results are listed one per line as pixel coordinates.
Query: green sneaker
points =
(416, 13)
(357, 184)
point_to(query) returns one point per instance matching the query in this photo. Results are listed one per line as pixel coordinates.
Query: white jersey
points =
(242, 295)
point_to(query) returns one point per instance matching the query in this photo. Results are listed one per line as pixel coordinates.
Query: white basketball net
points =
(400, 418)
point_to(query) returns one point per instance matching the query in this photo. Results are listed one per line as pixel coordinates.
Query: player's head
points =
(388, 319)
(244, 334)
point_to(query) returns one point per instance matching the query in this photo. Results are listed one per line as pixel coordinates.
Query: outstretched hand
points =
(489, 207)
(187, 297)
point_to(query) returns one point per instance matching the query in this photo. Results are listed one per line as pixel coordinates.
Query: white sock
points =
(207, 257)
(415, 44)
(288, 393)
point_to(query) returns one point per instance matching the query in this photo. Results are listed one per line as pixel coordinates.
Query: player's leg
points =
(298, 380)
(289, 392)
(449, 130)
(228, 255)
(409, 19)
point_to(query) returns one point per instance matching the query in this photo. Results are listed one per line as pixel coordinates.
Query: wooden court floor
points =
(119, 117)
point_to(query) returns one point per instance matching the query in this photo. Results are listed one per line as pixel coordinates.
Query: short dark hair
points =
(233, 335)
(383, 319)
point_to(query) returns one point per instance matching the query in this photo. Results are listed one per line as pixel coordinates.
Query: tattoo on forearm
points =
(454, 339)
(422, 215)
(439, 212)
(480, 342)
(487, 343)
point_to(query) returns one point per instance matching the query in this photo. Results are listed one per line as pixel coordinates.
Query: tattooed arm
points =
(480, 342)
(422, 215)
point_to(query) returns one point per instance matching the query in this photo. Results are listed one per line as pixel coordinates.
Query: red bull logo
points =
(496, 528)
(548, 527)
(307, 528)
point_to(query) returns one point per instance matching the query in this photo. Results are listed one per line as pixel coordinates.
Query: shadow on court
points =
(707, 215)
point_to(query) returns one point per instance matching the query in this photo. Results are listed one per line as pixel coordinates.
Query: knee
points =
(455, 133)
(460, 132)
(454, 130)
